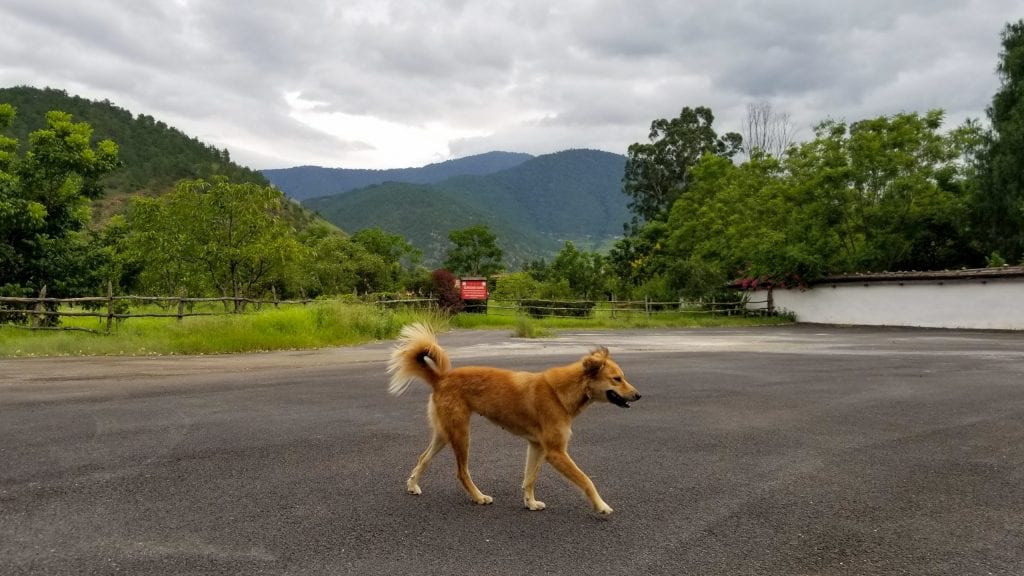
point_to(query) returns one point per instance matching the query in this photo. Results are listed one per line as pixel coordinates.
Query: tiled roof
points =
(912, 276)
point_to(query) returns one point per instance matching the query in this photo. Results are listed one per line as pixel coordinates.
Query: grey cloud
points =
(533, 75)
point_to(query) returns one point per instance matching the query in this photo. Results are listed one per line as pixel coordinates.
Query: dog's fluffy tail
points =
(417, 355)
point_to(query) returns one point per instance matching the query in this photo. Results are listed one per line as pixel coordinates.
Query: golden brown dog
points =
(539, 406)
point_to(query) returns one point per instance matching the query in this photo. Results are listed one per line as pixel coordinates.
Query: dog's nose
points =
(636, 396)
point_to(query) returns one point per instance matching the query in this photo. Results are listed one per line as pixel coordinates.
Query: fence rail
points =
(35, 310)
(581, 308)
(42, 307)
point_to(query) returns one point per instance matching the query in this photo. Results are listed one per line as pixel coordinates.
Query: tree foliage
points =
(44, 199)
(657, 173)
(882, 194)
(999, 201)
(443, 288)
(474, 252)
(212, 236)
(585, 273)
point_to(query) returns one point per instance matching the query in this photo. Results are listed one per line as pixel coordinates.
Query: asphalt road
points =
(794, 450)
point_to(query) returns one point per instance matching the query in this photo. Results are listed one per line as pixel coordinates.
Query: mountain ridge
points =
(533, 208)
(305, 182)
(154, 155)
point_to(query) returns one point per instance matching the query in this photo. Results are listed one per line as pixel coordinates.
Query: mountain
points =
(305, 182)
(154, 155)
(533, 208)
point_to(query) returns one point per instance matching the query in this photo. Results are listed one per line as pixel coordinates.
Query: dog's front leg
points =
(534, 459)
(563, 463)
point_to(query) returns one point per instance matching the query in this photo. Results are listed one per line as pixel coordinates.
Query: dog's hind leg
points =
(458, 435)
(437, 443)
(560, 459)
(534, 459)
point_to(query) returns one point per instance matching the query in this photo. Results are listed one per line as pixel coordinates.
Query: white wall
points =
(996, 303)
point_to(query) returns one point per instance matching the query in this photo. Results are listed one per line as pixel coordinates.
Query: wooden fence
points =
(34, 312)
(622, 308)
(37, 310)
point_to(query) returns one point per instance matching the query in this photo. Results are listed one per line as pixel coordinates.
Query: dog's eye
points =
(617, 378)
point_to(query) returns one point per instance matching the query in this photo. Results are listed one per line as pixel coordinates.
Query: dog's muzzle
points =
(618, 400)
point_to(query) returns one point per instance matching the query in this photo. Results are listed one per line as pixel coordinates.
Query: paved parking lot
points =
(792, 450)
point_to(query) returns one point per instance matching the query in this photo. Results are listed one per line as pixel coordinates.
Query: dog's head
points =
(605, 380)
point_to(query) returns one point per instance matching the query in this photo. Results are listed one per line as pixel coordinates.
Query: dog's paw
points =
(535, 505)
(484, 499)
(604, 509)
(413, 488)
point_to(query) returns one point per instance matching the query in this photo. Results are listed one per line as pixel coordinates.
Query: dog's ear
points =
(593, 363)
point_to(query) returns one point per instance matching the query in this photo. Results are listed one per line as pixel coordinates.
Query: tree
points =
(516, 286)
(658, 173)
(746, 220)
(896, 184)
(474, 252)
(766, 130)
(584, 272)
(640, 257)
(334, 264)
(443, 287)
(44, 199)
(213, 236)
(879, 194)
(398, 257)
(999, 203)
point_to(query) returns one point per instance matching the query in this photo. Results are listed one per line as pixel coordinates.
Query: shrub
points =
(448, 298)
(542, 308)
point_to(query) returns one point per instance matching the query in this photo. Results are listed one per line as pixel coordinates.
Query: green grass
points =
(606, 322)
(603, 318)
(294, 327)
(317, 325)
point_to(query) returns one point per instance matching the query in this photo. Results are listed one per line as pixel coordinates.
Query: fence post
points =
(273, 294)
(110, 304)
(771, 302)
(647, 306)
(37, 318)
(181, 303)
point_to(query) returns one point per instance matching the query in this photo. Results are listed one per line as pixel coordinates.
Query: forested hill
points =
(303, 182)
(575, 195)
(155, 155)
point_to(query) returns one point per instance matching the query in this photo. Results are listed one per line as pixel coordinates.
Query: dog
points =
(538, 406)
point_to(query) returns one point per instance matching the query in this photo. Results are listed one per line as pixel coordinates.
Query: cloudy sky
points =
(389, 83)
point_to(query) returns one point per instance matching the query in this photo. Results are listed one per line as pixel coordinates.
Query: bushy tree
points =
(213, 236)
(44, 201)
(881, 194)
(999, 201)
(893, 190)
(585, 273)
(397, 257)
(658, 172)
(449, 300)
(474, 252)
(333, 264)
(516, 286)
